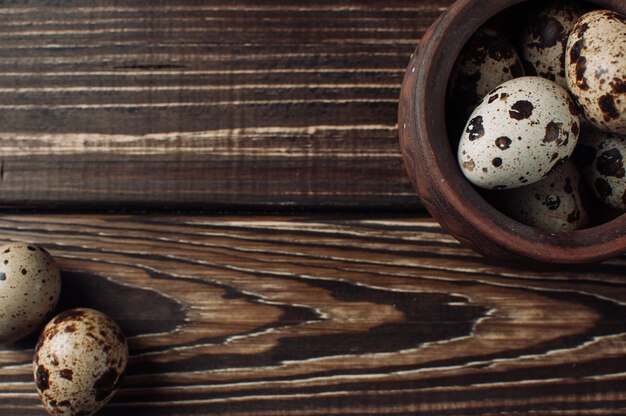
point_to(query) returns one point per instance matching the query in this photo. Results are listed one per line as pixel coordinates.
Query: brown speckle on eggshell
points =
(519, 137)
(79, 362)
(601, 158)
(486, 61)
(556, 203)
(596, 68)
(30, 285)
(544, 39)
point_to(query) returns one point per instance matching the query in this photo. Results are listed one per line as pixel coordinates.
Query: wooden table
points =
(128, 126)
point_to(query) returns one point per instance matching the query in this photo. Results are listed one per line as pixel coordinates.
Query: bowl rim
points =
(428, 155)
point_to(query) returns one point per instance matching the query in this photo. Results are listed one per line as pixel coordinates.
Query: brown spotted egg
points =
(486, 61)
(30, 284)
(596, 68)
(554, 203)
(79, 362)
(601, 155)
(544, 39)
(518, 134)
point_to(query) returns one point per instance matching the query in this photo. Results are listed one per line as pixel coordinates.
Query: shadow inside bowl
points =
(430, 153)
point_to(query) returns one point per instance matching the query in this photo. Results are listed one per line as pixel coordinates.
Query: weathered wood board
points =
(205, 104)
(329, 315)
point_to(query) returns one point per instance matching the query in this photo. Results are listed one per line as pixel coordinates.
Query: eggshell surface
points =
(601, 158)
(554, 203)
(30, 284)
(519, 133)
(79, 362)
(486, 61)
(544, 39)
(596, 68)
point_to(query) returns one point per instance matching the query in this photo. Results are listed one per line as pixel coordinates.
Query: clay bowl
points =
(432, 167)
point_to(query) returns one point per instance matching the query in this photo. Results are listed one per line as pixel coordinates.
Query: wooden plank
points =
(329, 315)
(205, 103)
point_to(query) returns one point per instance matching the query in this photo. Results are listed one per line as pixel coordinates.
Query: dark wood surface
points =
(271, 105)
(209, 104)
(336, 315)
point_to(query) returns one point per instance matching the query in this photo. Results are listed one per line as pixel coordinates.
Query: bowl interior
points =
(448, 37)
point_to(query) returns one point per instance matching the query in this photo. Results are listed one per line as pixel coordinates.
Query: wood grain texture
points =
(329, 315)
(205, 103)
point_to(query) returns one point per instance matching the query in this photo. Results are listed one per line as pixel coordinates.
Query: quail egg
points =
(30, 284)
(555, 203)
(79, 362)
(486, 61)
(518, 134)
(545, 37)
(596, 68)
(601, 157)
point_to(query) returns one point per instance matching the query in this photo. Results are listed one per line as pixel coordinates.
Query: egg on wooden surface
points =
(555, 203)
(30, 284)
(518, 134)
(596, 68)
(544, 39)
(486, 61)
(79, 362)
(601, 155)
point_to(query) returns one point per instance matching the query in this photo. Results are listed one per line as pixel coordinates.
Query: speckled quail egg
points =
(79, 362)
(30, 284)
(544, 39)
(600, 155)
(555, 203)
(486, 61)
(596, 68)
(518, 134)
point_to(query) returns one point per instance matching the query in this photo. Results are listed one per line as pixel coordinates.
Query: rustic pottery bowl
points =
(431, 162)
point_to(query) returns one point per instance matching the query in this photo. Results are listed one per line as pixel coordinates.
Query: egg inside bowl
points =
(428, 143)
